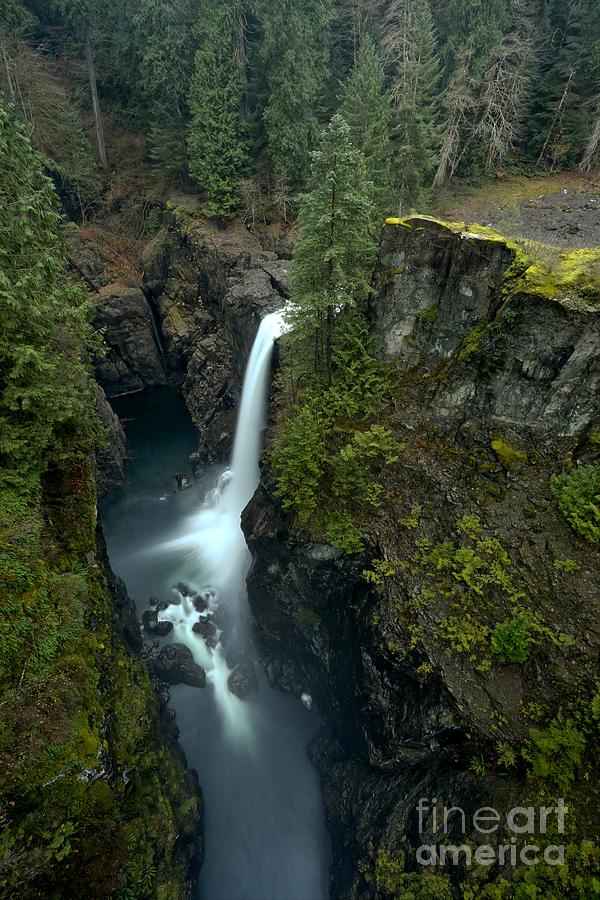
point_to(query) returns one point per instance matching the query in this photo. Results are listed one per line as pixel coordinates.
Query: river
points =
(264, 821)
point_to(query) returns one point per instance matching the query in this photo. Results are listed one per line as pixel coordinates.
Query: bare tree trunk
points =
(592, 145)
(9, 77)
(459, 102)
(559, 113)
(89, 57)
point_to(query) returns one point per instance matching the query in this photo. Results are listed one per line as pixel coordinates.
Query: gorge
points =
(299, 449)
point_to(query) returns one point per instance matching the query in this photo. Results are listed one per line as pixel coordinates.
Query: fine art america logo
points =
(517, 826)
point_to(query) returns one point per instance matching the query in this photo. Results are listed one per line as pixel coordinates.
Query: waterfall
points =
(246, 450)
(214, 540)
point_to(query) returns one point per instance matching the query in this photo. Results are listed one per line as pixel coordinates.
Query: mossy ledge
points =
(491, 333)
(570, 277)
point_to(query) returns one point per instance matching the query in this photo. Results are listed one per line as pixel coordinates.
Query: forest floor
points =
(561, 209)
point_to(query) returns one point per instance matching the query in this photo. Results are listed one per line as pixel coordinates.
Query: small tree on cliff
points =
(334, 257)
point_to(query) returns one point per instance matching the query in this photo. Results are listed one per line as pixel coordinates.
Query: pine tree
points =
(476, 26)
(165, 45)
(216, 147)
(410, 55)
(293, 56)
(366, 107)
(334, 257)
(42, 313)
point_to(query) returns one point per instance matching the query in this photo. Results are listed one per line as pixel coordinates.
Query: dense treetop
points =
(232, 94)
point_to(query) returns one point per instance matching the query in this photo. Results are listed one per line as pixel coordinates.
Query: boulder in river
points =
(205, 628)
(175, 664)
(243, 681)
(155, 626)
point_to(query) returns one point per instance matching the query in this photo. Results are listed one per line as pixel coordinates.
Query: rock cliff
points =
(496, 367)
(210, 290)
(505, 346)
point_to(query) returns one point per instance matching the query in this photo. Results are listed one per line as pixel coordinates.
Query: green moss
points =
(508, 456)
(472, 341)
(308, 616)
(568, 566)
(81, 712)
(429, 315)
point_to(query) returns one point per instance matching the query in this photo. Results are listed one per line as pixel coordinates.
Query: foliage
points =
(380, 569)
(413, 518)
(327, 462)
(45, 388)
(393, 882)
(217, 152)
(299, 459)
(464, 633)
(81, 765)
(411, 59)
(511, 639)
(164, 42)
(575, 880)
(578, 496)
(556, 753)
(330, 483)
(292, 57)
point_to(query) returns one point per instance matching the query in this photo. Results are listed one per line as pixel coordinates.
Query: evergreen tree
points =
(293, 56)
(366, 107)
(410, 54)
(165, 44)
(476, 26)
(84, 18)
(335, 254)
(42, 313)
(216, 147)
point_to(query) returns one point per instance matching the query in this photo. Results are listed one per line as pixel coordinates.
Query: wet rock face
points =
(110, 455)
(530, 368)
(133, 358)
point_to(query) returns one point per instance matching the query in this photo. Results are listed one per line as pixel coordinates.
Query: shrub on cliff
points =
(511, 639)
(578, 496)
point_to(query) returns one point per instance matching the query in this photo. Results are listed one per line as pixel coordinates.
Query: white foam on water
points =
(214, 540)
